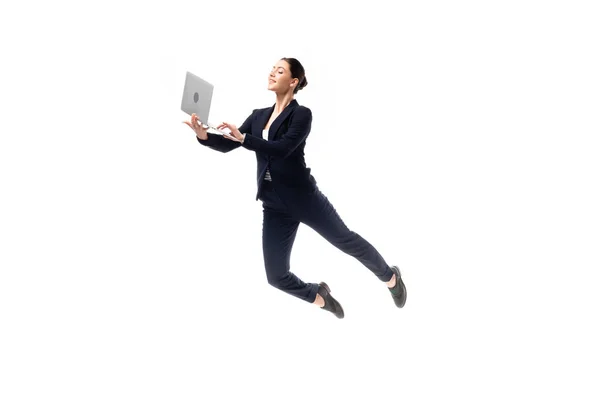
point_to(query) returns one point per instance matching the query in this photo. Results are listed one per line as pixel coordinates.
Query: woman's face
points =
(280, 78)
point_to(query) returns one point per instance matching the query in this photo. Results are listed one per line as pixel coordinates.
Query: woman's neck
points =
(282, 101)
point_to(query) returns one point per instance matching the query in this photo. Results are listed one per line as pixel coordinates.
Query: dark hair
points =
(297, 71)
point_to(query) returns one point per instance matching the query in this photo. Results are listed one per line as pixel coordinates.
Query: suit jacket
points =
(282, 154)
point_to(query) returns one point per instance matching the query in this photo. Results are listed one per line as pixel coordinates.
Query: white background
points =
(460, 138)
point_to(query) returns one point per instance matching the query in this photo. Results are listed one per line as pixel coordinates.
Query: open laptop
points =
(197, 97)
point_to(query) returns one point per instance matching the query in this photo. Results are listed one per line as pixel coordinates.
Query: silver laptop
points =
(197, 97)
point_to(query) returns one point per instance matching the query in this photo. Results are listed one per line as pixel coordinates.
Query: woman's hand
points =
(197, 127)
(234, 133)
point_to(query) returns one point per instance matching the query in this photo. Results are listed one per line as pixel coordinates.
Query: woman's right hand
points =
(197, 127)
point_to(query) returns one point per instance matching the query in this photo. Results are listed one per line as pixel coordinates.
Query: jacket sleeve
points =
(219, 143)
(298, 130)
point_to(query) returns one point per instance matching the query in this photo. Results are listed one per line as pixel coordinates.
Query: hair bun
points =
(302, 84)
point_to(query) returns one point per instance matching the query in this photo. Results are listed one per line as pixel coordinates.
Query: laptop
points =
(197, 97)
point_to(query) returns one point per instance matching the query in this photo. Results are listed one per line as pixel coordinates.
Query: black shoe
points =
(331, 304)
(399, 290)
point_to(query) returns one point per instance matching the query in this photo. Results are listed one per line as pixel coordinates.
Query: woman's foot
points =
(320, 301)
(397, 288)
(326, 301)
(392, 282)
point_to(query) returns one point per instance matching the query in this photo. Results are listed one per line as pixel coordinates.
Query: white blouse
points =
(265, 135)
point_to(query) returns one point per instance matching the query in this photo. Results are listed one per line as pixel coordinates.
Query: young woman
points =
(289, 192)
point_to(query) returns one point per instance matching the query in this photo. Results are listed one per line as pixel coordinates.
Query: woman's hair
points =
(297, 71)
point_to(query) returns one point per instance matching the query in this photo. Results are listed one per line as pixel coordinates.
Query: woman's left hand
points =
(234, 135)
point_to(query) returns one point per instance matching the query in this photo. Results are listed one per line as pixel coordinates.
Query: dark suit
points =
(292, 196)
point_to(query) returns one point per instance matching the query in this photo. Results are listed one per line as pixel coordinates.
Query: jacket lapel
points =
(280, 118)
(262, 120)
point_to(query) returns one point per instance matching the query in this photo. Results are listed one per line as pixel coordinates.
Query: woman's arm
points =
(297, 132)
(219, 143)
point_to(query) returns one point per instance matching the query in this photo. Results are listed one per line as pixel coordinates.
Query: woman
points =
(289, 192)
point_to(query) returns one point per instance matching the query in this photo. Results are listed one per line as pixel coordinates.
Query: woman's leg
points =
(278, 234)
(320, 215)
